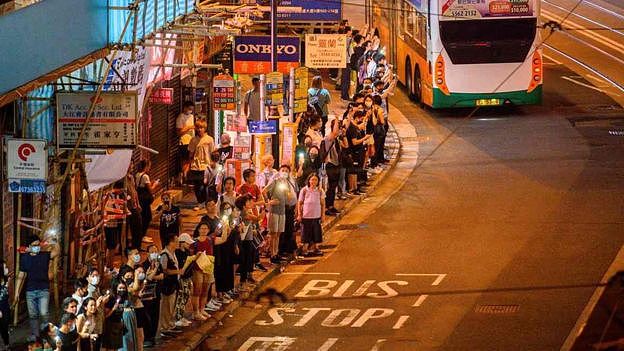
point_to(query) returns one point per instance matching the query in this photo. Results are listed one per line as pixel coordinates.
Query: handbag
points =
(257, 240)
(206, 263)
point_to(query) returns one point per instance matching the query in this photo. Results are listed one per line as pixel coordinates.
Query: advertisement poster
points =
(302, 82)
(193, 53)
(274, 88)
(242, 146)
(113, 124)
(235, 123)
(27, 165)
(304, 10)
(289, 142)
(223, 93)
(475, 9)
(252, 54)
(326, 50)
(161, 96)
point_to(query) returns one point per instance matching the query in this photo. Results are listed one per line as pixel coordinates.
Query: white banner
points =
(326, 50)
(107, 169)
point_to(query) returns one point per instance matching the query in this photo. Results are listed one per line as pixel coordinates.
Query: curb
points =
(191, 341)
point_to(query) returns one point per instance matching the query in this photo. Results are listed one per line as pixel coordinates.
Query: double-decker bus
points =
(463, 53)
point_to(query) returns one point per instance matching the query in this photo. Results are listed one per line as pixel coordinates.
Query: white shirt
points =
(201, 149)
(184, 121)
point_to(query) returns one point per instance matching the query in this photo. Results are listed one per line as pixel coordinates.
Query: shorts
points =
(276, 223)
(183, 153)
(141, 317)
(113, 236)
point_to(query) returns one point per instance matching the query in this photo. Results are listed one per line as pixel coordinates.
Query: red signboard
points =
(163, 96)
(224, 93)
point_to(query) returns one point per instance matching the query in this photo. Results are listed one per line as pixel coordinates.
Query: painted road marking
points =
(311, 273)
(280, 343)
(552, 59)
(328, 344)
(336, 318)
(377, 344)
(323, 287)
(583, 84)
(400, 322)
(437, 281)
(420, 300)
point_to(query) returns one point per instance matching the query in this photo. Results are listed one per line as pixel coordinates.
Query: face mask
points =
(123, 294)
(35, 249)
(284, 174)
(154, 256)
(227, 212)
(136, 258)
(368, 104)
(141, 276)
(95, 280)
(129, 281)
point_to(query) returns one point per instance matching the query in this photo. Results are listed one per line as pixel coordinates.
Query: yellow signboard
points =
(274, 88)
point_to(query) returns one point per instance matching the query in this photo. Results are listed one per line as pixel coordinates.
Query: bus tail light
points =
(440, 76)
(536, 72)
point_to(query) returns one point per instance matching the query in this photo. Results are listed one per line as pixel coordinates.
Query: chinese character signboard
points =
(274, 88)
(326, 50)
(252, 54)
(304, 10)
(223, 93)
(162, 96)
(302, 83)
(27, 165)
(473, 9)
(113, 124)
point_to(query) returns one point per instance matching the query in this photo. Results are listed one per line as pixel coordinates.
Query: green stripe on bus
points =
(468, 99)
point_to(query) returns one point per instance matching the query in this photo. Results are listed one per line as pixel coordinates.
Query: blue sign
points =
(263, 127)
(257, 48)
(27, 186)
(306, 10)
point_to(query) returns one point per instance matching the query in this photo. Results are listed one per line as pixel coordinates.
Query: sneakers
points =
(196, 208)
(183, 323)
(199, 317)
(148, 240)
(225, 299)
(213, 305)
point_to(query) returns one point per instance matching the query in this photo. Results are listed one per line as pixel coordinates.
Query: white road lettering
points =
(420, 300)
(348, 319)
(343, 288)
(276, 317)
(372, 313)
(387, 289)
(362, 289)
(320, 286)
(277, 343)
(400, 322)
(328, 344)
(377, 344)
(308, 316)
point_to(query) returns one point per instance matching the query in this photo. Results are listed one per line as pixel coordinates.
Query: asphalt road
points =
(493, 242)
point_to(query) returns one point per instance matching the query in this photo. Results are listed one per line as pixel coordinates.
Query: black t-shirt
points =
(152, 287)
(36, 268)
(225, 153)
(69, 341)
(170, 221)
(358, 51)
(182, 255)
(353, 132)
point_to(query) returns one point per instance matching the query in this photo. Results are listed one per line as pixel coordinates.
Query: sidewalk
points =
(195, 335)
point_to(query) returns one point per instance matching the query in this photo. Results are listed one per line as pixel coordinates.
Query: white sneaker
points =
(211, 307)
(180, 324)
(196, 208)
(186, 321)
(226, 299)
(215, 301)
(148, 239)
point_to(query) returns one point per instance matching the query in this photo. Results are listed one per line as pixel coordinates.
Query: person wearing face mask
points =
(186, 282)
(225, 251)
(278, 192)
(86, 325)
(150, 295)
(133, 259)
(169, 218)
(112, 336)
(200, 149)
(287, 242)
(133, 332)
(311, 164)
(314, 131)
(67, 335)
(185, 128)
(35, 272)
(80, 291)
(93, 277)
(5, 315)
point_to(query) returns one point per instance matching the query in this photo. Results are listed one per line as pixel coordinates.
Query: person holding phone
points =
(145, 189)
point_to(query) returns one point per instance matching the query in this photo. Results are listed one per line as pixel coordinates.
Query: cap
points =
(185, 237)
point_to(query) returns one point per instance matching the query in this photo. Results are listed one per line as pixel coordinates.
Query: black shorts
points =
(141, 317)
(113, 236)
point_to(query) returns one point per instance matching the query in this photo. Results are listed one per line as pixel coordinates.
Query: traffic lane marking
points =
(437, 281)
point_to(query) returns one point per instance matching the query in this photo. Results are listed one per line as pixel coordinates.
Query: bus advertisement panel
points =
(475, 9)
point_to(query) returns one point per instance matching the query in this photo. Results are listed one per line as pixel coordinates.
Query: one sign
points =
(162, 96)
(263, 127)
(223, 93)
(242, 146)
(302, 82)
(113, 124)
(274, 88)
(235, 122)
(474, 9)
(289, 142)
(304, 10)
(326, 50)
(27, 165)
(301, 105)
(252, 54)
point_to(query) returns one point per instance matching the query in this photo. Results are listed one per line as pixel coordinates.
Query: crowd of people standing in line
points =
(159, 290)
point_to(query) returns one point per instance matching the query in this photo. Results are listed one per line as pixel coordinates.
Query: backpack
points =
(315, 103)
(324, 151)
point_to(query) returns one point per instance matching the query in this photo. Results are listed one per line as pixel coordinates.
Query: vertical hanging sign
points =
(274, 89)
(223, 93)
(302, 84)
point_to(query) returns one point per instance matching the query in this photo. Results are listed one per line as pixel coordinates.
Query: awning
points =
(107, 169)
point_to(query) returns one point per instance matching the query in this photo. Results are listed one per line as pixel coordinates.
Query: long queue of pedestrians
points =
(276, 212)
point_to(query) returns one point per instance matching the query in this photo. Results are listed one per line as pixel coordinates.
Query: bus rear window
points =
(488, 41)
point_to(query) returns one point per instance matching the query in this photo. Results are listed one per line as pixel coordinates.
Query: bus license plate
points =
(488, 102)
